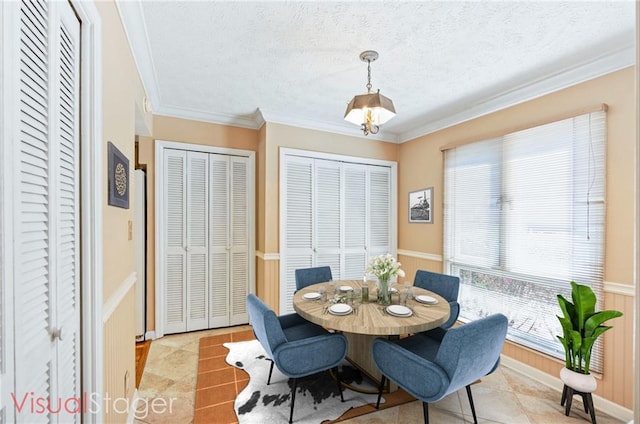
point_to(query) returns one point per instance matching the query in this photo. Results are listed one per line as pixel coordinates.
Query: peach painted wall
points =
(278, 136)
(422, 166)
(121, 90)
(186, 131)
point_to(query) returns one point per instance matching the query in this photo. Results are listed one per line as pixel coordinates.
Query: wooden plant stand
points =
(587, 400)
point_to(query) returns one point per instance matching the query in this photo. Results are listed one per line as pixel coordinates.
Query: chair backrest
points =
(266, 325)
(445, 285)
(471, 351)
(308, 276)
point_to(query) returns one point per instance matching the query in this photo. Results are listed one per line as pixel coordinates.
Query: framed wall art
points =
(421, 206)
(118, 177)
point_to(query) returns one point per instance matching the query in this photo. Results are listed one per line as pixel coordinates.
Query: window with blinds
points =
(524, 216)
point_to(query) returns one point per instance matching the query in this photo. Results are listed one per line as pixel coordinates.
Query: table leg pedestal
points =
(359, 354)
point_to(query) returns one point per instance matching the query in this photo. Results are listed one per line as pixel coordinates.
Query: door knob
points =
(56, 333)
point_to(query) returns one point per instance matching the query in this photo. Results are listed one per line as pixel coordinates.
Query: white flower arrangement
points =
(385, 267)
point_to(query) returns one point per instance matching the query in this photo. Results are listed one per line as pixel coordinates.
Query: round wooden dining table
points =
(369, 320)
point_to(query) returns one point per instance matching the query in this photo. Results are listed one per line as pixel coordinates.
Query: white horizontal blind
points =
(524, 216)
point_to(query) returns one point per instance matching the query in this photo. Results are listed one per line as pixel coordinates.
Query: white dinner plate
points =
(423, 298)
(340, 309)
(399, 311)
(393, 290)
(311, 296)
(346, 288)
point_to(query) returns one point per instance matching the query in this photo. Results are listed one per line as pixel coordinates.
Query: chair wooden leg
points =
(473, 408)
(425, 411)
(382, 383)
(270, 371)
(293, 399)
(336, 370)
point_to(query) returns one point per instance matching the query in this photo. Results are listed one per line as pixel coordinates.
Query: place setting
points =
(426, 300)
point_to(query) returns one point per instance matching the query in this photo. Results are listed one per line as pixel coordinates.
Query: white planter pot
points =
(585, 383)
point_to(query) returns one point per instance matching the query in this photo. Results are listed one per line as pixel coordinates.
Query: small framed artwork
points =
(421, 206)
(118, 177)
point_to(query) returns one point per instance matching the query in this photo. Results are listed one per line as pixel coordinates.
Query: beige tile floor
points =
(506, 396)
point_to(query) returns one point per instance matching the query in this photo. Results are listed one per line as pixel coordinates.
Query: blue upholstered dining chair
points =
(297, 347)
(430, 369)
(446, 286)
(308, 276)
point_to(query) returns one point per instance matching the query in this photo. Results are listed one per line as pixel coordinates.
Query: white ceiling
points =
(296, 62)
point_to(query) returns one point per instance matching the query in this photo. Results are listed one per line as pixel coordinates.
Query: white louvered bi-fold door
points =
(47, 219)
(298, 245)
(327, 214)
(197, 284)
(207, 233)
(239, 239)
(229, 240)
(355, 221)
(219, 240)
(379, 195)
(186, 251)
(175, 254)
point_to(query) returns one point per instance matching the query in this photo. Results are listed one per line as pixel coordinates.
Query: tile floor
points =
(505, 396)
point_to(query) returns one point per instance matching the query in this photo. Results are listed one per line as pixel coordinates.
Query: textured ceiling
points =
(297, 62)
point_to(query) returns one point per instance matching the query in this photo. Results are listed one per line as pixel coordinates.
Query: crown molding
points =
(136, 32)
(135, 29)
(253, 121)
(327, 126)
(572, 75)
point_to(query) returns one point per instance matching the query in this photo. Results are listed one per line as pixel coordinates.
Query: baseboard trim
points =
(112, 303)
(602, 404)
(420, 255)
(132, 409)
(150, 335)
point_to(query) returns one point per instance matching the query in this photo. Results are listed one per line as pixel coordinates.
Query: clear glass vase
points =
(384, 295)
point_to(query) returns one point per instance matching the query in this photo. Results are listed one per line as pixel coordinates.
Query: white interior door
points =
(355, 221)
(239, 230)
(297, 212)
(197, 284)
(174, 258)
(47, 219)
(379, 223)
(219, 243)
(327, 215)
(208, 229)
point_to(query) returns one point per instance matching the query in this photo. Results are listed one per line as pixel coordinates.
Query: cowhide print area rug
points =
(317, 397)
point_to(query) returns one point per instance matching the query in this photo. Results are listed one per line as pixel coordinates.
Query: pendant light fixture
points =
(372, 109)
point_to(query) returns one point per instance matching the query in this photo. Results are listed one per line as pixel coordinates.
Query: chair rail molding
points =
(420, 255)
(116, 298)
(619, 288)
(268, 256)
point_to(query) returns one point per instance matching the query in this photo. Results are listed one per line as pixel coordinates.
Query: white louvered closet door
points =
(47, 220)
(327, 215)
(355, 221)
(298, 246)
(175, 254)
(239, 239)
(379, 225)
(197, 284)
(219, 240)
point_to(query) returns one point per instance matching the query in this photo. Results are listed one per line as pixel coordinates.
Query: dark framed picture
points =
(118, 177)
(421, 206)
